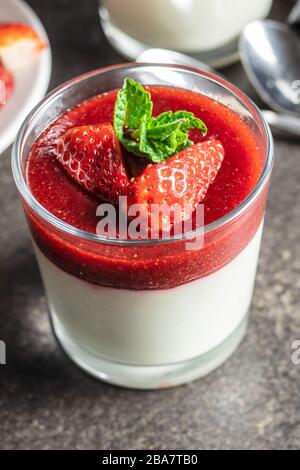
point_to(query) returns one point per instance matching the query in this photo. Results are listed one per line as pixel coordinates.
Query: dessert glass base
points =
(152, 339)
(148, 377)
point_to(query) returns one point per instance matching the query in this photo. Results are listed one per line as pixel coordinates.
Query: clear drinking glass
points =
(155, 336)
(193, 26)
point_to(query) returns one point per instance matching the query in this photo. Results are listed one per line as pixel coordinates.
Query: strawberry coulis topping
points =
(146, 267)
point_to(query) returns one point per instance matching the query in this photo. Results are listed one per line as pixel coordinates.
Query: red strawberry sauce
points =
(146, 267)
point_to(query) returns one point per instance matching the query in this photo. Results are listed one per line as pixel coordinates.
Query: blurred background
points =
(79, 44)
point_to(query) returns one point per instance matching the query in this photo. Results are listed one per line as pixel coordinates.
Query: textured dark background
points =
(253, 401)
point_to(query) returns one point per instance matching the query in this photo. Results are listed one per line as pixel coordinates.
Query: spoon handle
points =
(294, 17)
(283, 124)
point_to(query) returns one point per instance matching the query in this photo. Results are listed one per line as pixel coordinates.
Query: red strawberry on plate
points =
(18, 44)
(92, 156)
(183, 180)
(6, 85)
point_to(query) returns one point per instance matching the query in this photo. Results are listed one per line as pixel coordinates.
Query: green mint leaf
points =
(190, 121)
(159, 151)
(156, 138)
(155, 150)
(132, 104)
(166, 123)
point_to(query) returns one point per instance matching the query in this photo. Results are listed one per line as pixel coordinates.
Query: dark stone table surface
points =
(253, 401)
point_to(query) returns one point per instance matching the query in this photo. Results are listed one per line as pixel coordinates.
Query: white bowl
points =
(31, 82)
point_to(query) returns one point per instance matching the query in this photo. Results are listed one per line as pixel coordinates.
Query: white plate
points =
(31, 83)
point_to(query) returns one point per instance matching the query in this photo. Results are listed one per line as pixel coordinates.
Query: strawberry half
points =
(6, 85)
(183, 180)
(92, 156)
(18, 44)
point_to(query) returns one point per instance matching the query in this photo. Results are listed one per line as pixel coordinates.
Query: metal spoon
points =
(280, 124)
(166, 56)
(270, 53)
(294, 17)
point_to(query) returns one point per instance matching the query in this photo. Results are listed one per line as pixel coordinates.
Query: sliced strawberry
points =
(6, 85)
(92, 156)
(183, 180)
(18, 44)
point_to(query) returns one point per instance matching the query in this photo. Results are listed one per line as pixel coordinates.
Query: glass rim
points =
(46, 215)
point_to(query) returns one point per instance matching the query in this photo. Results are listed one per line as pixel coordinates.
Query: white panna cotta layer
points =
(153, 327)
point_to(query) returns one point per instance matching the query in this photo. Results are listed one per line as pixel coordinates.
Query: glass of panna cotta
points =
(194, 26)
(147, 313)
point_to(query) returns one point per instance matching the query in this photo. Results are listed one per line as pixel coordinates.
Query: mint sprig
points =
(156, 138)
